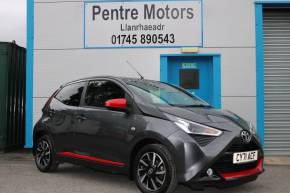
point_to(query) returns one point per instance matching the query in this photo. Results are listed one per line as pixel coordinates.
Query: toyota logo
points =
(246, 136)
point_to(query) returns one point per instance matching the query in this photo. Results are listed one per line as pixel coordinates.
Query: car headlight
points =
(191, 127)
(252, 128)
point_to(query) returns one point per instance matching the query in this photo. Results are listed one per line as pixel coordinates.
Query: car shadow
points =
(116, 180)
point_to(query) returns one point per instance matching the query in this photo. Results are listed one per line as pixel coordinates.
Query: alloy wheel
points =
(43, 153)
(151, 171)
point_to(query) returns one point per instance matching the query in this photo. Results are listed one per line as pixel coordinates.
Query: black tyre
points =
(45, 156)
(154, 170)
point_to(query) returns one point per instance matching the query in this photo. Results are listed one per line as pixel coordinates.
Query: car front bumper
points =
(229, 179)
(221, 183)
(193, 160)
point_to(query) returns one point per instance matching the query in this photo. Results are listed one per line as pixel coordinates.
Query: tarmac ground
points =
(18, 174)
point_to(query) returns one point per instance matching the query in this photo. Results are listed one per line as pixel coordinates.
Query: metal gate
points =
(276, 30)
(12, 96)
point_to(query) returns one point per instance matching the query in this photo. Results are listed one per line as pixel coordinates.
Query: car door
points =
(101, 132)
(62, 111)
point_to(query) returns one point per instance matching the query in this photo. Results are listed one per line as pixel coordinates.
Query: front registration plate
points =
(243, 157)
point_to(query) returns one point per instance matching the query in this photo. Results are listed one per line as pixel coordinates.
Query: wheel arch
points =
(39, 132)
(140, 144)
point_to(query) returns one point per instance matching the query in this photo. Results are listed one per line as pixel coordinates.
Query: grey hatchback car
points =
(156, 133)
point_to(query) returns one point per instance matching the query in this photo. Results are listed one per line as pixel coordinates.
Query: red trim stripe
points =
(90, 158)
(257, 170)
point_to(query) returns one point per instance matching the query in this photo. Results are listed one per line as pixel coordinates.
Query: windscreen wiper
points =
(199, 105)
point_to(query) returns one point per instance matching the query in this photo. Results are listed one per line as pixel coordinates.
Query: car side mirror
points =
(117, 104)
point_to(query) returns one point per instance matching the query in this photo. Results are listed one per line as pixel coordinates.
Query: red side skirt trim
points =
(90, 158)
(244, 173)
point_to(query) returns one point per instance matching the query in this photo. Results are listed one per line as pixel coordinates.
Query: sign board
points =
(188, 65)
(142, 24)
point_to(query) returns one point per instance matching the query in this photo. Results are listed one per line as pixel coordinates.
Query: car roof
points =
(118, 78)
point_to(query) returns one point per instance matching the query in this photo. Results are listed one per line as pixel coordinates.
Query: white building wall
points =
(59, 57)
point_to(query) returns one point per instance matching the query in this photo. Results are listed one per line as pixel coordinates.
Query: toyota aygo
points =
(158, 134)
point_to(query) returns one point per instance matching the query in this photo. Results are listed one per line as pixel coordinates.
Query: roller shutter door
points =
(276, 30)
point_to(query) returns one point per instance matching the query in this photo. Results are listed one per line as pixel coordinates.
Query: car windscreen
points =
(163, 94)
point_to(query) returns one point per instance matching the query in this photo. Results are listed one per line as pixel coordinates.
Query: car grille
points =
(203, 140)
(225, 162)
(240, 146)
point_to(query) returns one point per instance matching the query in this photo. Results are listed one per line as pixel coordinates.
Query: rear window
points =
(71, 94)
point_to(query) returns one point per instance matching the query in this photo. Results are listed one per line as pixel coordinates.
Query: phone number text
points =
(144, 39)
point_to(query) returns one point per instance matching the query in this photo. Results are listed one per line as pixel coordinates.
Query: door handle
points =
(51, 112)
(81, 118)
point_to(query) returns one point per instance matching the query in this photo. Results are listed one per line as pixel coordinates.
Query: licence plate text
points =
(243, 157)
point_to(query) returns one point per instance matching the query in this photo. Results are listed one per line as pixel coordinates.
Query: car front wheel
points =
(154, 170)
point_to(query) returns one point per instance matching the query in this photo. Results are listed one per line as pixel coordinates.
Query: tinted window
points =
(71, 94)
(99, 92)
